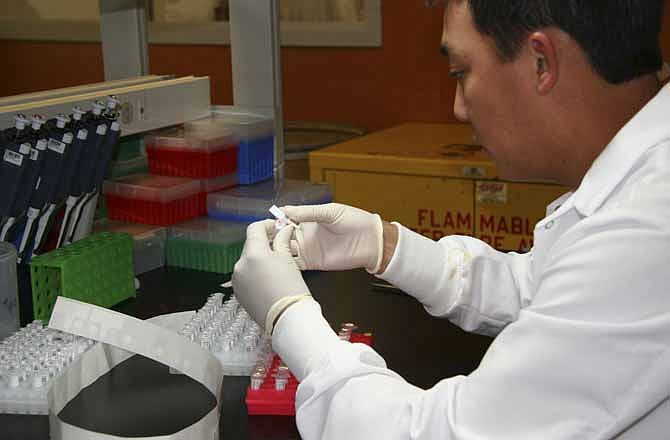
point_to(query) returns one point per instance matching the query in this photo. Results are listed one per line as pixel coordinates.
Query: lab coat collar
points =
(645, 130)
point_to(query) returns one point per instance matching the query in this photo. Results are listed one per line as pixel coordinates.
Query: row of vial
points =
(282, 373)
(34, 355)
(263, 368)
(224, 327)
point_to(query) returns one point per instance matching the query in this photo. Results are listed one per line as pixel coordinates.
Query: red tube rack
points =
(153, 200)
(154, 213)
(192, 163)
(268, 401)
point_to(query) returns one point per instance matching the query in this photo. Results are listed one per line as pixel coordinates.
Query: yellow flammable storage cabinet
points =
(434, 180)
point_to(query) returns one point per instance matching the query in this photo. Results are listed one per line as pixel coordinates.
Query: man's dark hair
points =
(620, 37)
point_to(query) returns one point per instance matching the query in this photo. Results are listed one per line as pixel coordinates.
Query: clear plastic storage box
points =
(9, 294)
(205, 244)
(213, 185)
(150, 240)
(201, 150)
(254, 131)
(153, 200)
(251, 203)
(138, 165)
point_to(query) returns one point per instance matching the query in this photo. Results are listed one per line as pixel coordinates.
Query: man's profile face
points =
(496, 97)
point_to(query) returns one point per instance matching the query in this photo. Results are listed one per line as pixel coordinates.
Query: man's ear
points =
(546, 65)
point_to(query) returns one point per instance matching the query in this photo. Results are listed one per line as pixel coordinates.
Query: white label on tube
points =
(58, 147)
(101, 130)
(39, 181)
(67, 138)
(41, 144)
(82, 134)
(13, 157)
(24, 149)
(278, 213)
(115, 126)
(34, 154)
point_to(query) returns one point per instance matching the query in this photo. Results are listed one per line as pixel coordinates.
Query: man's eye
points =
(457, 74)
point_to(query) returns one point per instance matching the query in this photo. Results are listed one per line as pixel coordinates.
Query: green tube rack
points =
(204, 244)
(96, 270)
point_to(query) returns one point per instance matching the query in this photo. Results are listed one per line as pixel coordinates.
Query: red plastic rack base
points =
(269, 402)
(194, 164)
(153, 213)
(202, 204)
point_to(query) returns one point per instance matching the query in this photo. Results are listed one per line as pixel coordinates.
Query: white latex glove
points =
(336, 237)
(266, 279)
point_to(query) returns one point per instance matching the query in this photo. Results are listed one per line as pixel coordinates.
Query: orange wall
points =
(405, 80)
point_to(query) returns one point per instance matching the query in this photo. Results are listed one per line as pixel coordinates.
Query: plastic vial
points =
(13, 376)
(257, 380)
(261, 369)
(281, 379)
(227, 344)
(217, 298)
(41, 378)
(344, 335)
(282, 218)
(250, 343)
(206, 341)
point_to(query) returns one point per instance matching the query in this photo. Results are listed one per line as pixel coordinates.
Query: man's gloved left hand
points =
(266, 279)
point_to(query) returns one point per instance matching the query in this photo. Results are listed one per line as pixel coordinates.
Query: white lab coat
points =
(582, 322)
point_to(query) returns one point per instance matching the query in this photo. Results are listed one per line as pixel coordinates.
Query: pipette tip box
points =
(153, 200)
(251, 203)
(214, 185)
(203, 151)
(254, 133)
(256, 161)
(121, 168)
(205, 244)
(149, 242)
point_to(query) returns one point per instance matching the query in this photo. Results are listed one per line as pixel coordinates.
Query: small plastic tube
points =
(41, 378)
(261, 369)
(257, 380)
(206, 341)
(281, 380)
(250, 343)
(13, 376)
(282, 218)
(283, 370)
(227, 344)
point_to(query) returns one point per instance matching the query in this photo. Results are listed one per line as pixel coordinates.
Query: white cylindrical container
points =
(9, 294)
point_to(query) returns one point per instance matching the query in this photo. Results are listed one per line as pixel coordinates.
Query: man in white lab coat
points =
(559, 90)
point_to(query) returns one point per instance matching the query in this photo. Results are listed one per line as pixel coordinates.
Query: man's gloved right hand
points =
(336, 237)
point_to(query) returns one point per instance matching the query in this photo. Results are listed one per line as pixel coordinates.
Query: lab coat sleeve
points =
(461, 278)
(587, 359)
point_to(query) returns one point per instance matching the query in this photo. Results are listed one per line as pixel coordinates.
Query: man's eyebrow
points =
(454, 54)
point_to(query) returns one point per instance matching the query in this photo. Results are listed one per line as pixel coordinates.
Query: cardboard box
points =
(434, 179)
